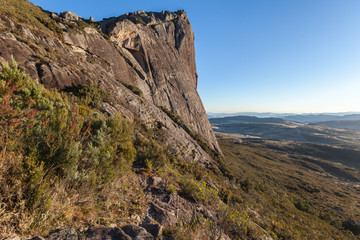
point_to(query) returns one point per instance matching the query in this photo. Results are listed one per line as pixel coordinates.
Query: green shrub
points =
(56, 146)
(51, 25)
(246, 185)
(199, 192)
(139, 20)
(302, 206)
(91, 96)
(149, 153)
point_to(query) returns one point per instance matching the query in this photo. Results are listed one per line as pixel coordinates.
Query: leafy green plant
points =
(199, 192)
(149, 153)
(302, 206)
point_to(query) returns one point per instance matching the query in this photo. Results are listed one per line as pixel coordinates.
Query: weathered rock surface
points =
(69, 16)
(154, 229)
(162, 49)
(352, 225)
(103, 233)
(153, 51)
(63, 234)
(167, 208)
(137, 232)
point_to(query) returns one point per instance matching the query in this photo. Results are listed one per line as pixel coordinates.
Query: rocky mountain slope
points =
(153, 52)
(103, 136)
(103, 133)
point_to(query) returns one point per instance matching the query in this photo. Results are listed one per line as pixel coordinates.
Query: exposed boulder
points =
(170, 209)
(69, 16)
(103, 233)
(153, 229)
(13, 238)
(352, 225)
(137, 232)
(64, 234)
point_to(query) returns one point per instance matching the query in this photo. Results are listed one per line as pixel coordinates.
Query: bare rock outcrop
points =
(69, 16)
(161, 47)
(152, 51)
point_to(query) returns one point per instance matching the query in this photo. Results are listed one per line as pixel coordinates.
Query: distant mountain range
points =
(304, 128)
(317, 118)
(246, 119)
(305, 118)
(252, 114)
(345, 124)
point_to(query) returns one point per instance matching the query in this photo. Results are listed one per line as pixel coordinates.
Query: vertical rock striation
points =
(152, 51)
(161, 46)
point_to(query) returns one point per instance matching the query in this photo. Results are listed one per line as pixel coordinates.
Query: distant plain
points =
(312, 166)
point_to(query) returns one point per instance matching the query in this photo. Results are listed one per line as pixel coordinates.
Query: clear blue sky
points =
(262, 55)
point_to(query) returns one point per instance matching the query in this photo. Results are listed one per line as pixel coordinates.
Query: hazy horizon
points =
(300, 113)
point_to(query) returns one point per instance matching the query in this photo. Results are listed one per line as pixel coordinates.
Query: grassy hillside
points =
(27, 14)
(62, 160)
(66, 163)
(292, 197)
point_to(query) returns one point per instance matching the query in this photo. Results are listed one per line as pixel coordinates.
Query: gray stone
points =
(54, 16)
(13, 238)
(37, 238)
(153, 229)
(91, 19)
(69, 16)
(63, 234)
(103, 233)
(352, 225)
(137, 232)
(170, 209)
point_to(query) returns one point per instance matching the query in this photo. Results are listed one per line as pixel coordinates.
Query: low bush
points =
(302, 206)
(27, 14)
(56, 146)
(149, 153)
(199, 192)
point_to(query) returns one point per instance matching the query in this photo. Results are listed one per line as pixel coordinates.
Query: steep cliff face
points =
(162, 46)
(152, 51)
(79, 163)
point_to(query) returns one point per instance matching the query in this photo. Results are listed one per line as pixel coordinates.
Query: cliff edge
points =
(103, 134)
(152, 52)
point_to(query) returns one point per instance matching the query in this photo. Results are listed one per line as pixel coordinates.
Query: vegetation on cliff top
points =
(25, 13)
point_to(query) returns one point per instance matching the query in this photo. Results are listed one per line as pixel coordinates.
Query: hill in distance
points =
(309, 118)
(295, 160)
